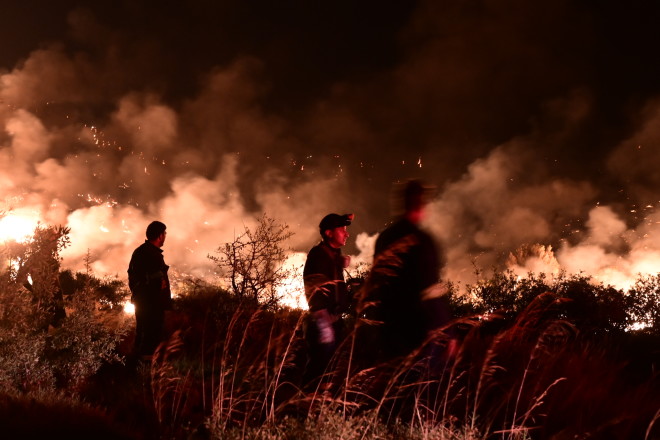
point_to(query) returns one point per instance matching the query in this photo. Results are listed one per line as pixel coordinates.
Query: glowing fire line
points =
(17, 227)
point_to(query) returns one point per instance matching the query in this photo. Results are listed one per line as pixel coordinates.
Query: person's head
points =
(416, 195)
(333, 229)
(156, 233)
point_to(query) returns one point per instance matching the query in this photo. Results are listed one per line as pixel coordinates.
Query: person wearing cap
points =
(326, 292)
(404, 273)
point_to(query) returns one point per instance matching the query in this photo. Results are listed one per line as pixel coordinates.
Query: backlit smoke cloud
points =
(105, 130)
(487, 214)
(147, 162)
(488, 219)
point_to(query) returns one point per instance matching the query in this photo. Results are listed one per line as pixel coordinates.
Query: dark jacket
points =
(406, 261)
(420, 259)
(147, 277)
(323, 276)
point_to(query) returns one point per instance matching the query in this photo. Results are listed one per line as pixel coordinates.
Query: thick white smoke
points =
(89, 141)
(147, 161)
(489, 220)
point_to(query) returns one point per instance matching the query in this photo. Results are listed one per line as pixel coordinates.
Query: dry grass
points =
(535, 377)
(524, 363)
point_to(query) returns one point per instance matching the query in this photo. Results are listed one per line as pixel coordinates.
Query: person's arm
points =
(146, 275)
(317, 280)
(318, 283)
(323, 322)
(137, 280)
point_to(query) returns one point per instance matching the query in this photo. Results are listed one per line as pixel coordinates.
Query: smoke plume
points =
(544, 159)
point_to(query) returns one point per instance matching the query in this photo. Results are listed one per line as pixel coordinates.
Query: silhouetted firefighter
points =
(401, 300)
(150, 288)
(326, 293)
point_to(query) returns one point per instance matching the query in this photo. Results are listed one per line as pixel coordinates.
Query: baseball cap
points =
(332, 221)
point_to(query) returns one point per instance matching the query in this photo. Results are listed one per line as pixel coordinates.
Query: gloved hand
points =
(324, 326)
(346, 261)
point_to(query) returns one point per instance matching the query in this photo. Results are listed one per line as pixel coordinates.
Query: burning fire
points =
(129, 308)
(17, 227)
(292, 291)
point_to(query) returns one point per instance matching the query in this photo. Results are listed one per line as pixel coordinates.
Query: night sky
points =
(539, 122)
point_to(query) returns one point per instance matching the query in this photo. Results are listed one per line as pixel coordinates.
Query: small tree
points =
(48, 340)
(253, 262)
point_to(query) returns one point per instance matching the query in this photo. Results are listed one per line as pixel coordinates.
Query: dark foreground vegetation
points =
(528, 358)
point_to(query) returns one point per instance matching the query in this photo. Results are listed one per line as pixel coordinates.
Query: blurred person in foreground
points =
(326, 292)
(403, 299)
(150, 289)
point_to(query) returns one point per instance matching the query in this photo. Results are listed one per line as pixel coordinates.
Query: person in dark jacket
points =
(150, 289)
(405, 271)
(326, 292)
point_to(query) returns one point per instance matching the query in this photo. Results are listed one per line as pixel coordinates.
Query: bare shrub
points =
(253, 261)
